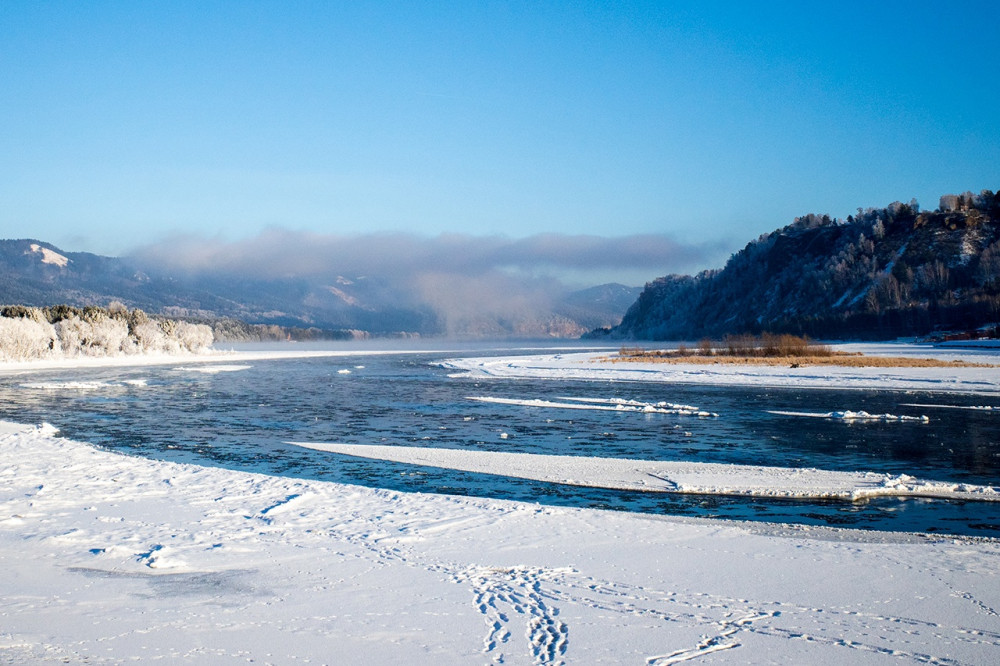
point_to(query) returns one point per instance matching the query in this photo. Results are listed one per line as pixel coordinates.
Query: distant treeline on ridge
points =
(883, 273)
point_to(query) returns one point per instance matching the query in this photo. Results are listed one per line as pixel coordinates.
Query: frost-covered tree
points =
(149, 338)
(193, 337)
(62, 330)
(24, 339)
(92, 335)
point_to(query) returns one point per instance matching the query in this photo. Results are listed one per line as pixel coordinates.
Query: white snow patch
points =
(79, 385)
(600, 404)
(70, 386)
(977, 408)
(669, 477)
(206, 357)
(346, 298)
(113, 559)
(49, 256)
(848, 415)
(594, 366)
(214, 369)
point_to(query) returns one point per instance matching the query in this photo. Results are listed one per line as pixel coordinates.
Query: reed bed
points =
(776, 350)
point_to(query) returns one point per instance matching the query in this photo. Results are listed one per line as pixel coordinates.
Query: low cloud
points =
(280, 253)
(475, 285)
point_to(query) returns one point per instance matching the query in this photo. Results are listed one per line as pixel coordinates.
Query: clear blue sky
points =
(125, 122)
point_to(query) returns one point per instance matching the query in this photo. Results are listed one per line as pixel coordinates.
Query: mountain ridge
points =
(37, 273)
(885, 273)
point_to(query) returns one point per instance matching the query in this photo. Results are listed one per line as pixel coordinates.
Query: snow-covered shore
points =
(108, 559)
(203, 358)
(595, 366)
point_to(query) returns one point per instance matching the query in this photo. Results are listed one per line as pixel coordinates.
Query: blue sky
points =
(126, 123)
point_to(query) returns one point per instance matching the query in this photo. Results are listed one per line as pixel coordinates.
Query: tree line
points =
(65, 331)
(883, 273)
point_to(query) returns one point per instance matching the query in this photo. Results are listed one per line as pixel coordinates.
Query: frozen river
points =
(241, 416)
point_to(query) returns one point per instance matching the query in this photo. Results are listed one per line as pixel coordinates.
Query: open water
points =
(242, 418)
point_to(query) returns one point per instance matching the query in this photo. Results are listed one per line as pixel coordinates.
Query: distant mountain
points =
(598, 306)
(881, 274)
(36, 273)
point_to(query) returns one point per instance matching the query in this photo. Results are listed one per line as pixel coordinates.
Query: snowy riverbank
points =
(206, 357)
(107, 558)
(595, 366)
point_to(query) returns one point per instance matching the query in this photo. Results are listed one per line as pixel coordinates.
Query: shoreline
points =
(842, 360)
(592, 366)
(215, 356)
(106, 557)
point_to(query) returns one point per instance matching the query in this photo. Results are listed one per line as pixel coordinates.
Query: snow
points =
(670, 477)
(70, 386)
(601, 404)
(49, 256)
(214, 369)
(849, 415)
(224, 358)
(106, 559)
(978, 408)
(594, 366)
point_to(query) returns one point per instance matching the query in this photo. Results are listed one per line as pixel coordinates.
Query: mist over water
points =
(240, 417)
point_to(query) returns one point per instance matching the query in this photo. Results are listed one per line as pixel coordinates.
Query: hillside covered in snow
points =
(895, 271)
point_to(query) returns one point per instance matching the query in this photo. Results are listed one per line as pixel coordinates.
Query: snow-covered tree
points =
(23, 339)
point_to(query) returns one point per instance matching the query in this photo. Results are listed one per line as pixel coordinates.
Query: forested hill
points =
(881, 274)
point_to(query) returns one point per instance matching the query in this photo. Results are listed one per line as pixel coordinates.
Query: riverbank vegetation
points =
(777, 350)
(64, 331)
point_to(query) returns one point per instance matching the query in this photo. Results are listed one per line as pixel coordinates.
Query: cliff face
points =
(886, 273)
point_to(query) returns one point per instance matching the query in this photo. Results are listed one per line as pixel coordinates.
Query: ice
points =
(214, 369)
(110, 558)
(594, 366)
(82, 385)
(205, 358)
(67, 386)
(107, 558)
(977, 408)
(601, 404)
(848, 415)
(667, 476)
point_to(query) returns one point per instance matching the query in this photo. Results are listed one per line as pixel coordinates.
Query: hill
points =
(884, 273)
(36, 273)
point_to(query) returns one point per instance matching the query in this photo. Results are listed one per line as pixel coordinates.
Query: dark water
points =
(240, 420)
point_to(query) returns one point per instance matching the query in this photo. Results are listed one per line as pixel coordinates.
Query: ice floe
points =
(601, 404)
(848, 415)
(214, 369)
(82, 385)
(67, 386)
(670, 477)
(975, 408)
